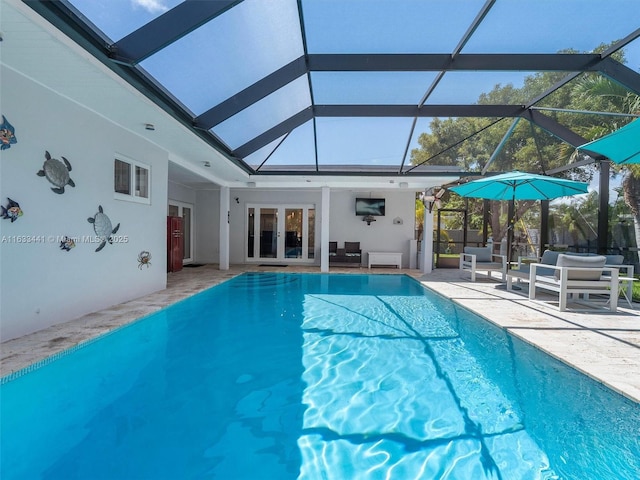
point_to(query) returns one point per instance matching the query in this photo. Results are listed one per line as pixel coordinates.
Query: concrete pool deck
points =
(603, 345)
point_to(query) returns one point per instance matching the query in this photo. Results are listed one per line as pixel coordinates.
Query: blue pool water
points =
(301, 376)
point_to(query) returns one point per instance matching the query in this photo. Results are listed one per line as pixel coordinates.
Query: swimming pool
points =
(311, 376)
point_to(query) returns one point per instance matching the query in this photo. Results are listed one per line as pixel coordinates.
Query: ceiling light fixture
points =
(149, 126)
(207, 164)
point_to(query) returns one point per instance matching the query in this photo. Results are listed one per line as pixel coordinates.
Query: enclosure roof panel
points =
(335, 84)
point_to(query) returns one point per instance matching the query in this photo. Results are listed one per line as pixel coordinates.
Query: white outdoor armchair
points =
(474, 259)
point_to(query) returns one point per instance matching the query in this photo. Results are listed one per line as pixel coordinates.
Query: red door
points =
(174, 244)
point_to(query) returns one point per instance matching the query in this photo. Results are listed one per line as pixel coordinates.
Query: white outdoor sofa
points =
(572, 276)
(474, 259)
(550, 257)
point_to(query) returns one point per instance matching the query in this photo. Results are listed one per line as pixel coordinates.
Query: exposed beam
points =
(411, 62)
(167, 28)
(305, 47)
(621, 74)
(456, 52)
(394, 111)
(252, 94)
(475, 24)
(392, 62)
(191, 14)
(571, 166)
(603, 57)
(351, 172)
(272, 152)
(623, 42)
(376, 111)
(587, 112)
(68, 22)
(415, 111)
(554, 128)
(502, 143)
(408, 145)
(459, 142)
(567, 62)
(274, 133)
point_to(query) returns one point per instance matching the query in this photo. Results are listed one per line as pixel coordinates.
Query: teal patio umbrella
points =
(519, 186)
(621, 146)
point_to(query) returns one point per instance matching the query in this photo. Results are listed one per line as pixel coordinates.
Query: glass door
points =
(280, 233)
(268, 232)
(293, 233)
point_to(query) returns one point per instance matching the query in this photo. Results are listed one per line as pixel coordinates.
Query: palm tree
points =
(601, 93)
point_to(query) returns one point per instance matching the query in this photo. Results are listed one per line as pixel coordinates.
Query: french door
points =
(278, 233)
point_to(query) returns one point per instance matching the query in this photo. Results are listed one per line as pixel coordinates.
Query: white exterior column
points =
(324, 229)
(224, 227)
(427, 242)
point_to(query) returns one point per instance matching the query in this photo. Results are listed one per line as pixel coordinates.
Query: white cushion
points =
(596, 262)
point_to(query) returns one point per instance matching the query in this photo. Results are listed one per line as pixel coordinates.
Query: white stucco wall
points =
(237, 214)
(207, 237)
(181, 193)
(40, 284)
(382, 235)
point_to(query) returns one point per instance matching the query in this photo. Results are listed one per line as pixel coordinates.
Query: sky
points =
(228, 54)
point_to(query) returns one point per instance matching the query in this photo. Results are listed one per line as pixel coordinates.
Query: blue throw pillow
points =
(614, 259)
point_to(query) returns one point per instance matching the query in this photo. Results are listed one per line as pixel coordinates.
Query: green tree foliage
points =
(470, 143)
(601, 93)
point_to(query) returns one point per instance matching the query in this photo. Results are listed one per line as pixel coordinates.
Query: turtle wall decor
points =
(12, 211)
(7, 134)
(56, 172)
(103, 228)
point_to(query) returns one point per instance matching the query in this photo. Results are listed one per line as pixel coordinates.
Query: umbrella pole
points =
(511, 215)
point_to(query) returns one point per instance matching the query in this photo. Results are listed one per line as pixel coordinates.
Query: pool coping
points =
(604, 346)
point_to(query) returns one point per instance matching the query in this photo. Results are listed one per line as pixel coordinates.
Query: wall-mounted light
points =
(207, 164)
(368, 219)
(149, 126)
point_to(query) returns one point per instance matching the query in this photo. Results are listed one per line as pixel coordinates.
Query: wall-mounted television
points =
(370, 206)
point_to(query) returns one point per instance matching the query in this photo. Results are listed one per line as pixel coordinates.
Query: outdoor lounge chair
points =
(474, 259)
(575, 276)
(550, 257)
